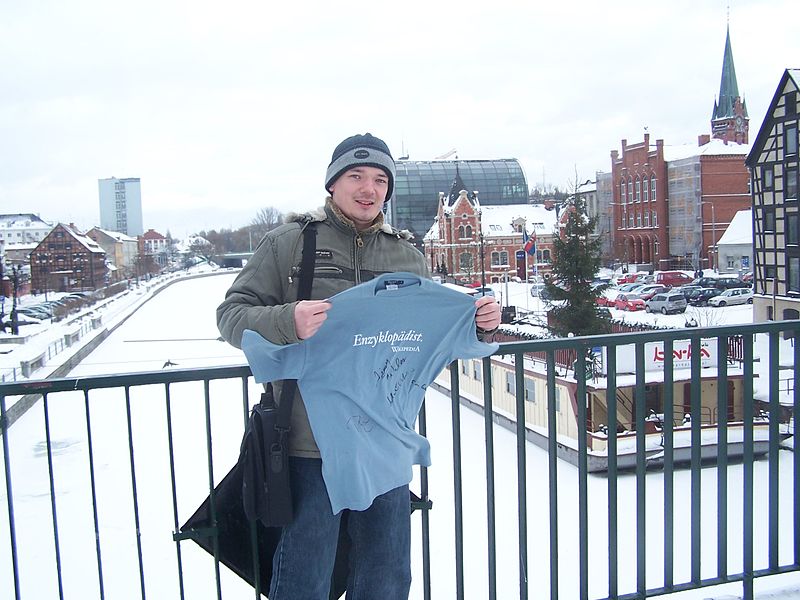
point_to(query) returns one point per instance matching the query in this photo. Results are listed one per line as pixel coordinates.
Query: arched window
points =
(647, 217)
(646, 190)
(630, 189)
(653, 188)
(655, 247)
(465, 261)
(468, 231)
(461, 231)
(495, 259)
(638, 191)
(622, 191)
(546, 256)
(654, 219)
(504, 257)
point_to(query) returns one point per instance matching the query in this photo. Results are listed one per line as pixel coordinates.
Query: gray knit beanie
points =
(358, 150)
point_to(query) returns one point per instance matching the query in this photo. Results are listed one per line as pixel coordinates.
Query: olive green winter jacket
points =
(264, 294)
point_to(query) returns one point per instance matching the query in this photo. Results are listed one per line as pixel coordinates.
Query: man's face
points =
(359, 193)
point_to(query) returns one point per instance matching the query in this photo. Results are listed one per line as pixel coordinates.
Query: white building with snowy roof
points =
(735, 247)
(22, 228)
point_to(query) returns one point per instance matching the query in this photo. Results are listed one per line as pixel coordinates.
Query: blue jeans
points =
(380, 555)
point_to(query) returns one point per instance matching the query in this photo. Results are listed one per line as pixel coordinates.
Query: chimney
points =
(703, 139)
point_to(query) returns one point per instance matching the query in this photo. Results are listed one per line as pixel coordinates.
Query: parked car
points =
(484, 291)
(627, 287)
(628, 301)
(632, 277)
(37, 312)
(723, 282)
(701, 296)
(651, 290)
(606, 298)
(666, 303)
(732, 296)
(673, 278)
(538, 290)
(687, 290)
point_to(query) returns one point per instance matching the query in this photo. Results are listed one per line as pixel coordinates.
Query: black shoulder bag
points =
(220, 526)
(264, 453)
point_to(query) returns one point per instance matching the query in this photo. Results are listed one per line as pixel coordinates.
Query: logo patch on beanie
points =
(360, 154)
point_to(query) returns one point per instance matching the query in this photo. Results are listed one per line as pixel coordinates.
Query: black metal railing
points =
(116, 463)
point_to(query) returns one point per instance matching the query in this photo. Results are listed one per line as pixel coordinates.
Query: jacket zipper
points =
(359, 243)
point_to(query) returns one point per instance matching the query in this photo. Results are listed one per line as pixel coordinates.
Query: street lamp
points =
(714, 257)
(483, 257)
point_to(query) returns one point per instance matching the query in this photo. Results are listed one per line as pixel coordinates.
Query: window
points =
(745, 262)
(770, 272)
(791, 228)
(790, 314)
(477, 371)
(655, 247)
(646, 190)
(653, 188)
(504, 257)
(769, 218)
(630, 220)
(793, 273)
(790, 186)
(790, 139)
(731, 262)
(624, 220)
(791, 103)
(546, 256)
(647, 218)
(630, 189)
(468, 231)
(655, 220)
(464, 369)
(465, 261)
(638, 219)
(530, 391)
(511, 382)
(767, 177)
(461, 231)
(638, 191)
(622, 191)
(495, 259)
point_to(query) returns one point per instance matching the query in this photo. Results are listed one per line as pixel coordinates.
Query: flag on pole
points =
(529, 243)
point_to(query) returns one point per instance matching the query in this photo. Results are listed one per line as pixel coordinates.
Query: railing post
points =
(12, 531)
(522, 491)
(455, 403)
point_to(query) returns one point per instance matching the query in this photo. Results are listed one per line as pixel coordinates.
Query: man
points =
(353, 245)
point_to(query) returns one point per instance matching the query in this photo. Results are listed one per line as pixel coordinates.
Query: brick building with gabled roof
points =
(66, 260)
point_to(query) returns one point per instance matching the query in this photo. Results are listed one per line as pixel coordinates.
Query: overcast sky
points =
(225, 108)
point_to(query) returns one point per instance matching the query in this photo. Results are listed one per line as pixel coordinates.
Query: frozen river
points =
(177, 329)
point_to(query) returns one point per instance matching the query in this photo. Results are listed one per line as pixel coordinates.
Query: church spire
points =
(729, 119)
(728, 86)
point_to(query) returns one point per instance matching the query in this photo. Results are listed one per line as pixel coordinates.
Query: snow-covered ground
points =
(177, 326)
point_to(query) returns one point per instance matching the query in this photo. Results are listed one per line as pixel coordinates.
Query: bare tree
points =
(265, 220)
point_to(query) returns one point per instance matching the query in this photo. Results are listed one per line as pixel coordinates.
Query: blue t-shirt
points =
(363, 377)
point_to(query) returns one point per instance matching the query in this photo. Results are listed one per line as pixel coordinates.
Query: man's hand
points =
(309, 315)
(487, 316)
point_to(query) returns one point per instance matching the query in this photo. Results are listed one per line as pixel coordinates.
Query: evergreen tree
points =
(576, 260)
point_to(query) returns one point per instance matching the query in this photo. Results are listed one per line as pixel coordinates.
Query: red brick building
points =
(671, 204)
(468, 241)
(66, 260)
